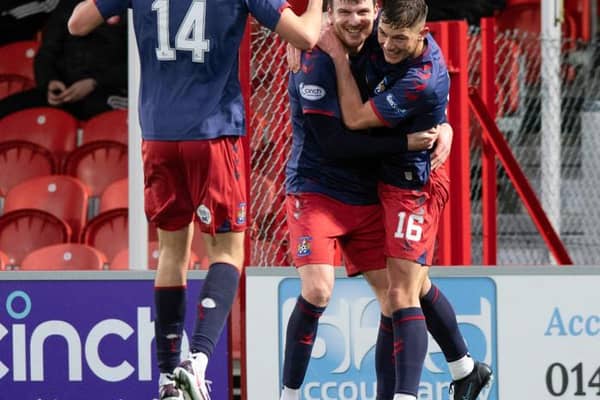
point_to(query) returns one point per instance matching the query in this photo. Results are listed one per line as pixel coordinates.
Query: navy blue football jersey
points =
(189, 63)
(411, 96)
(313, 90)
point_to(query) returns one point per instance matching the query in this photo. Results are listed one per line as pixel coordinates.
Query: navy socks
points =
(168, 325)
(384, 359)
(214, 304)
(300, 337)
(410, 348)
(442, 324)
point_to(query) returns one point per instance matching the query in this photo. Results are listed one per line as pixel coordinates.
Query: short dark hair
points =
(329, 3)
(404, 13)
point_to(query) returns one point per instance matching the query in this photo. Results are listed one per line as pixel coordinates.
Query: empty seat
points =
(98, 164)
(116, 195)
(17, 58)
(25, 230)
(110, 125)
(11, 84)
(60, 195)
(49, 127)
(121, 259)
(108, 232)
(24, 160)
(64, 256)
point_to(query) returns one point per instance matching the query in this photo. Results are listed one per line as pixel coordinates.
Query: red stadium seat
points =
(64, 256)
(121, 259)
(98, 164)
(110, 125)
(11, 84)
(49, 127)
(24, 160)
(17, 58)
(116, 195)
(23, 231)
(3, 261)
(60, 195)
(108, 232)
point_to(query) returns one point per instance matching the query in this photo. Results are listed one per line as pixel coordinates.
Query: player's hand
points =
(115, 19)
(79, 90)
(443, 146)
(293, 58)
(330, 43)
(423, 140)
(55, 92)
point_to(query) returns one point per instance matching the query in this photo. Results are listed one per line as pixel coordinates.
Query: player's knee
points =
(317, 294)
(402, 297)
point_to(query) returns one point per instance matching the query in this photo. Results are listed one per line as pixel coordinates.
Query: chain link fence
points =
(521, 100)
(270, 140)
(549, 116)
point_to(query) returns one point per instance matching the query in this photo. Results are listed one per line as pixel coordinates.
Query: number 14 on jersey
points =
(190, 35)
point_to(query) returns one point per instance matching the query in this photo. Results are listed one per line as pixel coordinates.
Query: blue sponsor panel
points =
(342, 363)
(65, 340)
(474, 300)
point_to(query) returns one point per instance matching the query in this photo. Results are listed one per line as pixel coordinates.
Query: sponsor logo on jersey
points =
(303, 248)
(394, 104)
(204, 214)
(311, 92)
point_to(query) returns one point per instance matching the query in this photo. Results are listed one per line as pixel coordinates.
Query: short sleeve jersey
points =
(313, 90)
(411, 96)
(188, 50)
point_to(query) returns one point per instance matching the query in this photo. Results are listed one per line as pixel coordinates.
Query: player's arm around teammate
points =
(418, 91)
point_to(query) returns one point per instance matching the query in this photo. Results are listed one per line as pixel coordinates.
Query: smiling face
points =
(352, 21)
(399, 44)
(401, 32)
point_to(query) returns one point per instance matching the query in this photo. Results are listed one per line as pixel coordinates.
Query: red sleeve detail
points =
(320, 112)
(376, 111)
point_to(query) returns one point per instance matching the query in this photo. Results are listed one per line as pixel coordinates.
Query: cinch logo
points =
(342, 363)
(311, 92)
(80, 349)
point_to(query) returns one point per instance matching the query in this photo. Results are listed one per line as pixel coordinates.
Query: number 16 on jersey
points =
(409, 226)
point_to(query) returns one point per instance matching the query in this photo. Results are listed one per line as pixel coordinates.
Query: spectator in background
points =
(23, 19)
(82, 75)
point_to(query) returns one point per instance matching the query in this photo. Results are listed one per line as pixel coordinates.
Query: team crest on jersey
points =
(241, 214)
(304, 244)
(204, 214)
(311, 92)
(381, 86)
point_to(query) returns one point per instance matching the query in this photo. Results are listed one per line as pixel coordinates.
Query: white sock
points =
(201, 361)
(165, 379)
(290, 394)
(403, 396)
(461, 367)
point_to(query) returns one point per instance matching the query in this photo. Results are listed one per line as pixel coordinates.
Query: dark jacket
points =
(471, 10)
(101, 55)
